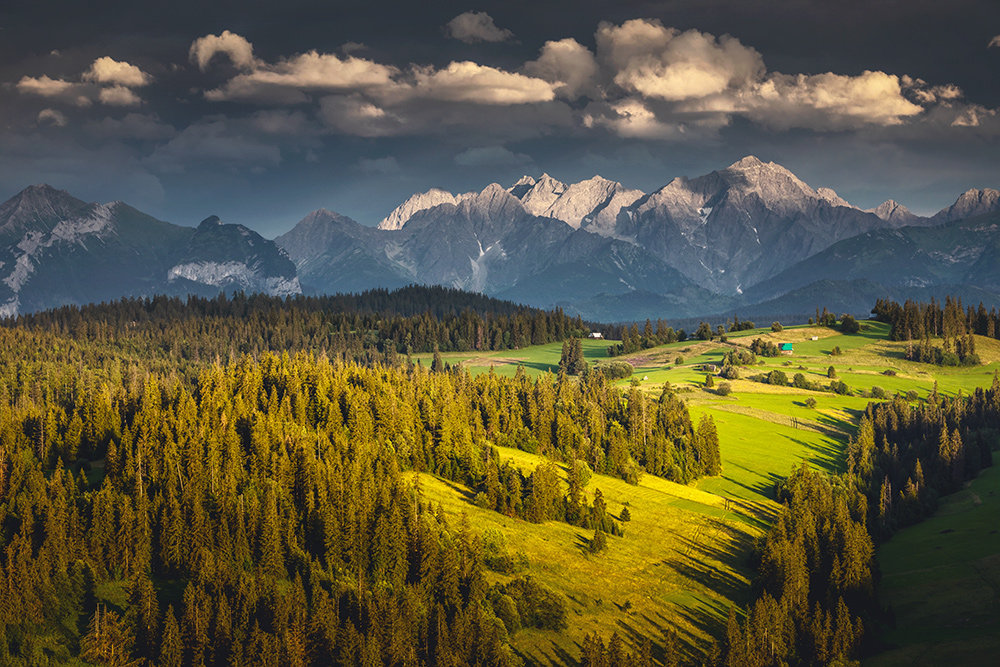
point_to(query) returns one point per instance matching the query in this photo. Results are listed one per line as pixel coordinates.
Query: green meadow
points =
(682, 561)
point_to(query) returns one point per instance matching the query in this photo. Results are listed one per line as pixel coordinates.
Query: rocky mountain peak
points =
(771, 182)
(543, 194)
(749, 162)
(832, 197)
(493, 202)
(418, 202)
(971, 203)
(38, 206)
(895, 213)
(522, 187)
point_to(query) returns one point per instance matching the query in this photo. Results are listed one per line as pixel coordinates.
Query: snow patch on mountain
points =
(74, 230)
(219, 274)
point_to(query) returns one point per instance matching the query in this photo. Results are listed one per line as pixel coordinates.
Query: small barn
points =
(595, 334)
(785, 348)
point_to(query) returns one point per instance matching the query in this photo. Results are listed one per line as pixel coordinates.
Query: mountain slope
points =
(230, 257)
(964, 251)
(56, 250)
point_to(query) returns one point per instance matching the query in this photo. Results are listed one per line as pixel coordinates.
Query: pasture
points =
(682, 561)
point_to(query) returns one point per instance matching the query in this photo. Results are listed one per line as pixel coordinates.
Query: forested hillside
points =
(166, 499)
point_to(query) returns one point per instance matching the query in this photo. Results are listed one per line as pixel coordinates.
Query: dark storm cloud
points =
(189, 107)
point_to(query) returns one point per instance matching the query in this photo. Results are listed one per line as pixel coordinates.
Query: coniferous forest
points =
(230, 481)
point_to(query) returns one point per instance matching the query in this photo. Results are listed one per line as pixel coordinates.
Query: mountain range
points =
(752, 233)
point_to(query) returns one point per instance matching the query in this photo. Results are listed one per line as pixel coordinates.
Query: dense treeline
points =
(906, 456)
(956, 327)
(256, 512)
(633, 341)
(816, 579)
(374, 326)
(817, 574)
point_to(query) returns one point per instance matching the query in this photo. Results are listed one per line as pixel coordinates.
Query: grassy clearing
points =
(678, 568)
(942, 578)
(536, 359)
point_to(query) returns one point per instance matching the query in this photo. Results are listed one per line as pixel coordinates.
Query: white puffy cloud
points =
(632, 118)
(492, 156)
(644, 80)
(829, 101)
(667, 64)
(57, 89)
(656, 78)
(107, 81)
(994, 42)
(57, 118)
(569, 64)
(472, 27)
(239, 50)
(284, 82)
(119, 96)
(110, 71)
(478, 84)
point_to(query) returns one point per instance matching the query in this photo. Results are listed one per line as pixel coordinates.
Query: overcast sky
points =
(261, 111)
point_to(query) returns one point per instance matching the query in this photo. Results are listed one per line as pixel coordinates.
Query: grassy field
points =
(682, 561)
(942, 578)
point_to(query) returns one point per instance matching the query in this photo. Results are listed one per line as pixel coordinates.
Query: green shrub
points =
(739, 357)
(615, 370)
(776, 327)
(838, 387)
(811, 403)
(724, 389)
(849, 325)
